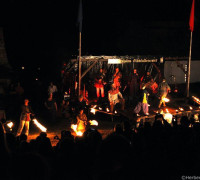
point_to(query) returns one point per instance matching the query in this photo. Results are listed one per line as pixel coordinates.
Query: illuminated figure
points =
(25, 118)
(81, 121)
(99, 83)
(114, 97)
(164, 89)
(117, 78)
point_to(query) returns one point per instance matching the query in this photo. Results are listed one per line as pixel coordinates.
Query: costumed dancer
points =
(99, 83)
(114, 97)
(164, 89)
(25, 118)
(143, 102)
(81, 121)
(117, 78)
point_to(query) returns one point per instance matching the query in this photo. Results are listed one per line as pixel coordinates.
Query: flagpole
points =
(189, 67)
(80, 17)
(79, 66)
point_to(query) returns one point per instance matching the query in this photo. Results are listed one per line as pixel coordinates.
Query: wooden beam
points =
(91, 66)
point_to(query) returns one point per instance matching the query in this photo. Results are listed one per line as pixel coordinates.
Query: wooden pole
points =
(79, 66)
(189, 67)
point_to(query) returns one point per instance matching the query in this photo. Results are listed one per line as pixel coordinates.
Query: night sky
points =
(44, 33)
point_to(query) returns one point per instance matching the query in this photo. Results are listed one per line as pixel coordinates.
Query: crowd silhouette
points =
(157, 151)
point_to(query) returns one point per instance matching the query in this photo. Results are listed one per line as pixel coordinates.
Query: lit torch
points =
(166, 99)
(93, 122)
(93, 111)
(40, 126)
(74, 127)
(10, 125)
(181, 109)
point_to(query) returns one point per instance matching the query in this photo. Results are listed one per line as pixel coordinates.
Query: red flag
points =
(191, 23)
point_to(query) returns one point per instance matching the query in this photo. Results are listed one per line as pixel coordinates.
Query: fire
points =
(168, 117)
(107, 109)
(167, 110)
(93, 122)
(181, 109)
(10, 124)
(115, 112)
(41, 127)
(191, 108)
(197, 100)
(166, 99)
(93, 111)
(100, 108)
(74, 127)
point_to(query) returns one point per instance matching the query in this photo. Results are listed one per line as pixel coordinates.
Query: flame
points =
(115, 112)
(181, 109)
(74, 127)
(167, 110)
(197, 100)
(168, 117)
(166, 99)
(176, 110)
(100, 108)
(93, 111)
(10, 125)
(191, 108)
(107, 109)
(41, 127)
(93, 122)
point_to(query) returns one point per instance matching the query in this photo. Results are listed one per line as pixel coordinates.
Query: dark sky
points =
(44, 32)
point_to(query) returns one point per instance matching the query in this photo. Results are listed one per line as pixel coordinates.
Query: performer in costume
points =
(25, 118)
(99, 83)
(117, 78)
(114, 97)
(143, 102)
(164, 89)
(81, 121)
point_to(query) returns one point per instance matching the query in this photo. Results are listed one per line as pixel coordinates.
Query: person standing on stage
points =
(99, 83)
(143, 102)
(25, 118)
(114, 97)
(134, 84)
(164, 89)
(117, 78)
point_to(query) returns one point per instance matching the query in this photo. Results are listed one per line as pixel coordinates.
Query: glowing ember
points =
(41, 127)
(10, 125)
(166, 99)
(74, 127)
(93, 122)
(93, 111)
